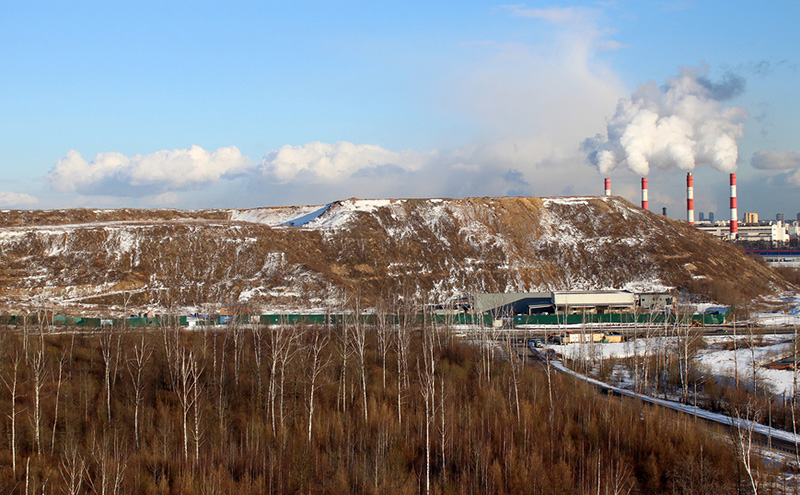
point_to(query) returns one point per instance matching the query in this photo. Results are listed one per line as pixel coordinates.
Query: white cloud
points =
(776, 160)
(325, 162)
(557, 15)
(779, 160)
(143, 175)
(16, 199)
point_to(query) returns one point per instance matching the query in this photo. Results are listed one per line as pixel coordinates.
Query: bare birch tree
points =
(38, 375)
(72, 470)
(11, 384)
(315, 364)
(110, 350)
(427, 378)
(58, 396)
(359, 343)
(743, 421)
(136, 366)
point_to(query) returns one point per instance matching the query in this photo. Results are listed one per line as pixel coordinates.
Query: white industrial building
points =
(605, 301)
(774, 232)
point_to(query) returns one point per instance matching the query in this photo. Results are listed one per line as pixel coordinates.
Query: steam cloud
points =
(682, 124)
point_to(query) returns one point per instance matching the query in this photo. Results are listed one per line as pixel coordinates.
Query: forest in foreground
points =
(344, 409)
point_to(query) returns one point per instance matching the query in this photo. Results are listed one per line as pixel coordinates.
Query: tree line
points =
(348, 408)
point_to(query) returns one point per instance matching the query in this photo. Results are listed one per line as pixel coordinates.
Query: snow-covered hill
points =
(306, 257)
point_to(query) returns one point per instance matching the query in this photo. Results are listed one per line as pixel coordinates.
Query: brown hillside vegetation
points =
(89, 259)
(347, 409)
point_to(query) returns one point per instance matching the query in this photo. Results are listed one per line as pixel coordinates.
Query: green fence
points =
(336, 319)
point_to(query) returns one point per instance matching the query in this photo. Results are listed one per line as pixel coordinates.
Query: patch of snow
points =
(274, 216)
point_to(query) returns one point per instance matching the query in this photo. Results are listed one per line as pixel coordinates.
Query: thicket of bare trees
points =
(327, 409)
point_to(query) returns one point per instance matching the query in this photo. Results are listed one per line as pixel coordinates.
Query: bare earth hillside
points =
(306, 257)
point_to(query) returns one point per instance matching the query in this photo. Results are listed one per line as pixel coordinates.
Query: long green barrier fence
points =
(336, 319)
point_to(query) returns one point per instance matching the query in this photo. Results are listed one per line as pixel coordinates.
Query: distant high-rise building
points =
(780, 217)
(711, 216)
(702, 216)
(751, 217)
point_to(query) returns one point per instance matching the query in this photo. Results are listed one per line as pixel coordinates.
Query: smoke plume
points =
(682, 124)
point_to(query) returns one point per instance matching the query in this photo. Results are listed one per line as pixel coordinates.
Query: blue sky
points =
(244, 104)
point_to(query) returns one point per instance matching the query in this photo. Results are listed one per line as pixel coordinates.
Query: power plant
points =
(733, 225)
(751, 230)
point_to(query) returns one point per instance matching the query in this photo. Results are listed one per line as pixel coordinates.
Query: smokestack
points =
(644, 194)
(608, 186)
(734, 213)
(690, 198)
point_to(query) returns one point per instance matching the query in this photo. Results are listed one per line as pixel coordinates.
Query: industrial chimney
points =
(644, 193)
(734, 213)
(690, 198)
(608, 186)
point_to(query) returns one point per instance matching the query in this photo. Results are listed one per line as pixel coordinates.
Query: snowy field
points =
(714, 358)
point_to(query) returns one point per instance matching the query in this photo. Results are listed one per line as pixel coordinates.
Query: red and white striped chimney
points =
(690, 198)
(734, 213)
(608, 186)
(644, 194)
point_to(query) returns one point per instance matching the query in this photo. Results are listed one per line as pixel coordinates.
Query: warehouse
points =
(514, 303)
(561, 302)
(594, 302)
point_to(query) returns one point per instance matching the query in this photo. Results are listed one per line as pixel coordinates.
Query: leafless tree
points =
(109, 466)
(344, 347)
(315, 364)
(136, 366)
(402, 343)
(72, 470)
(258, 356)
(237, 332)
(359, 343)
(11, 384)
(743, 420)
(382, 336)
(281, 351)
(516, 373)
(38, 375)
(427, 378)
(58, 395)
(188, 374)
(196, 371)
(110, 350)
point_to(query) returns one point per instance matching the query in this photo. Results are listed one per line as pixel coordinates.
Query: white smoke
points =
(682, 124)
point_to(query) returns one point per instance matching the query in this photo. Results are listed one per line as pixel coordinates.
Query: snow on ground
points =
(567, 200)
(341, 212)
(788, 316)
(715, 358)
(275, 216)
(725, 362)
